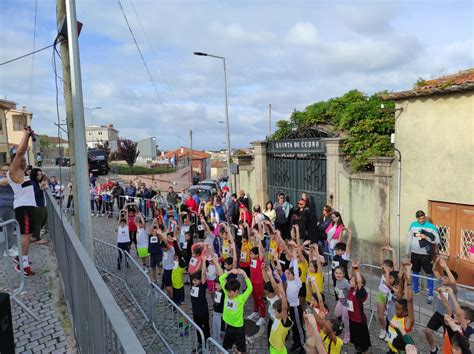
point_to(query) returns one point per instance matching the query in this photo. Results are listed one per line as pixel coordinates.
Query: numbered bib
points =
(445, 293)
(218, 297)
(243, 256)
(253, 263)
(200, 227)
(231, 305)
(239, 232)
(391, 334)
(310, 278)
(154, 239)
(340, 293)
(225, 250)
(185, 228)
(185, 244)
(193, 262)
(195, 291)
(350, 306)
(335, 264)
(176, 264)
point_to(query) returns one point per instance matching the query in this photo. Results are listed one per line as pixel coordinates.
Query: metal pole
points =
(191, 155)
(399, 181)
(227, 124)
(81, 185)
(270, 120)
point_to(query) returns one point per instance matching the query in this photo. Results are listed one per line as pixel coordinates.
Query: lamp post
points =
(226, 109)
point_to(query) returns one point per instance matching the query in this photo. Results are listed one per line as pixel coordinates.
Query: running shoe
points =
(26, 270)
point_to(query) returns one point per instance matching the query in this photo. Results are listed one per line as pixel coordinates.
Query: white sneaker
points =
(260, 322)
(382, 334)
(92, 214)
(253, 316)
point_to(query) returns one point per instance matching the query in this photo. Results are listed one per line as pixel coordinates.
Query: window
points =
(19, 121)
(90, 133)
(100, 133)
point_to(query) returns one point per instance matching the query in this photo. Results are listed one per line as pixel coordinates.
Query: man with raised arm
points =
(24, 202)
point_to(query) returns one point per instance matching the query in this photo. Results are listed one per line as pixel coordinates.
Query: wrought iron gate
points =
(297, 166)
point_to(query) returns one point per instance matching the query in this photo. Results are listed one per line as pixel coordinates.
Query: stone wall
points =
(179, 179)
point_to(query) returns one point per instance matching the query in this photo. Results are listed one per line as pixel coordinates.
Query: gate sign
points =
(297, 146)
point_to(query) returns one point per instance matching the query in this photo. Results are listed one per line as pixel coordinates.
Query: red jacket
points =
(191, 204)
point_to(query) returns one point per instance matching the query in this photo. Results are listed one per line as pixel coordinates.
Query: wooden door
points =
(455, 223)
(443, 215)
(465, 239)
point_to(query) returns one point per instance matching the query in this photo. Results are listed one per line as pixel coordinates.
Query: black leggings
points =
(133, 237)
(124, 246)
(296, 315)
(203, 322)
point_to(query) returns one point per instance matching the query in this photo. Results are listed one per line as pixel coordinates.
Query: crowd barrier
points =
(176, 330)
(16, 289)
(98, 323)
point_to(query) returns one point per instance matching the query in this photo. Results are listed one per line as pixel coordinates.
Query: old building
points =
(99, 134)
(201, 161)
(435, 135)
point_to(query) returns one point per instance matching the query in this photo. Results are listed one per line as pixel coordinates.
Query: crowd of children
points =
(225, 264)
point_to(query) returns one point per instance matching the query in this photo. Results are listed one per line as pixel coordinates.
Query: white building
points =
(100, 134)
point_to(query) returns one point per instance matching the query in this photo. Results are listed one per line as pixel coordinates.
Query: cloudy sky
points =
(287, 53)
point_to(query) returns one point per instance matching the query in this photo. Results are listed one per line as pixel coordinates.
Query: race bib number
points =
(175, 266)
(350, 306)
(225, 250)
(193, 262)
(200, 227)
(185, 228)
(154, 239)
(340, 293)
(195, 291)
(391, 334)
(243, 256)
(275, 325)
(310, 279)
(446, 295)
(218, 297)
(185, 244)
(231, 305)
(239, 232)
(272, 251)
(253, 264)
(335, 264)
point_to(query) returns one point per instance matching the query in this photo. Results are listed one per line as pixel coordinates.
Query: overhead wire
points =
(26, 55)
(32, 71)
(147, 68)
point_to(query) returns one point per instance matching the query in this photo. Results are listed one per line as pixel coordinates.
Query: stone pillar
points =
(261, 171)
(334, 164)
(382, 176)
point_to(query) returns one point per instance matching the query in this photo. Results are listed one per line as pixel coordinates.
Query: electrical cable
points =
(32, 71)
(26, 55)
(147, 68)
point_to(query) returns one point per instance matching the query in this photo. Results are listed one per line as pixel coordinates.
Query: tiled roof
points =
(183, 151)
(462, 81)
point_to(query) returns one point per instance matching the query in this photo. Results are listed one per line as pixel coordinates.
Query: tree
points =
(354, 115)
(127, 150)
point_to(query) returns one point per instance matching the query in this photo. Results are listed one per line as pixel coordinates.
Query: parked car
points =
(98, 161)
(63, 161)
(204, 192)
(211, 183)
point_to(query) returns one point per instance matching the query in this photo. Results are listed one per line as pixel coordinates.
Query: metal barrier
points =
(214, 347)
(176, 330)
(98, 323)
(4, 226)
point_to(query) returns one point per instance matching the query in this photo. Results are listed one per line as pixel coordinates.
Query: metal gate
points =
(297, 166)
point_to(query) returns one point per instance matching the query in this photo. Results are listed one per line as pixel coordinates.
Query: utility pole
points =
(191, 154)
(270, 120)
(66, 9)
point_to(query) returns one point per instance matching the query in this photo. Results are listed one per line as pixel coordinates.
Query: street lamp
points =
(226, 108)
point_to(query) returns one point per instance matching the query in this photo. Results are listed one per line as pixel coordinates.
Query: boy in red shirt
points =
(132, 227)
(257, 258)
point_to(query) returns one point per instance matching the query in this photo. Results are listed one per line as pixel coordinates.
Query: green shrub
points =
(140, 170)
(354, 115)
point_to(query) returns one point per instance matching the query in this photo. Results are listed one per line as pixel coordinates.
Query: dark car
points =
(98, 161)
(63, 161)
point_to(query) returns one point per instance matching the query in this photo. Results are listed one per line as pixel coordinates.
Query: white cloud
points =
(302, 33)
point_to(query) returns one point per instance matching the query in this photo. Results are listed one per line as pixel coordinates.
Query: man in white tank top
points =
(24, 202)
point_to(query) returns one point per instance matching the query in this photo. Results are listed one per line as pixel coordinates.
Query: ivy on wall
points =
(355, 116)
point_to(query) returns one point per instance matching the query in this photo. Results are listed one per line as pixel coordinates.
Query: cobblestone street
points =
(104, 229)
(41, 294)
